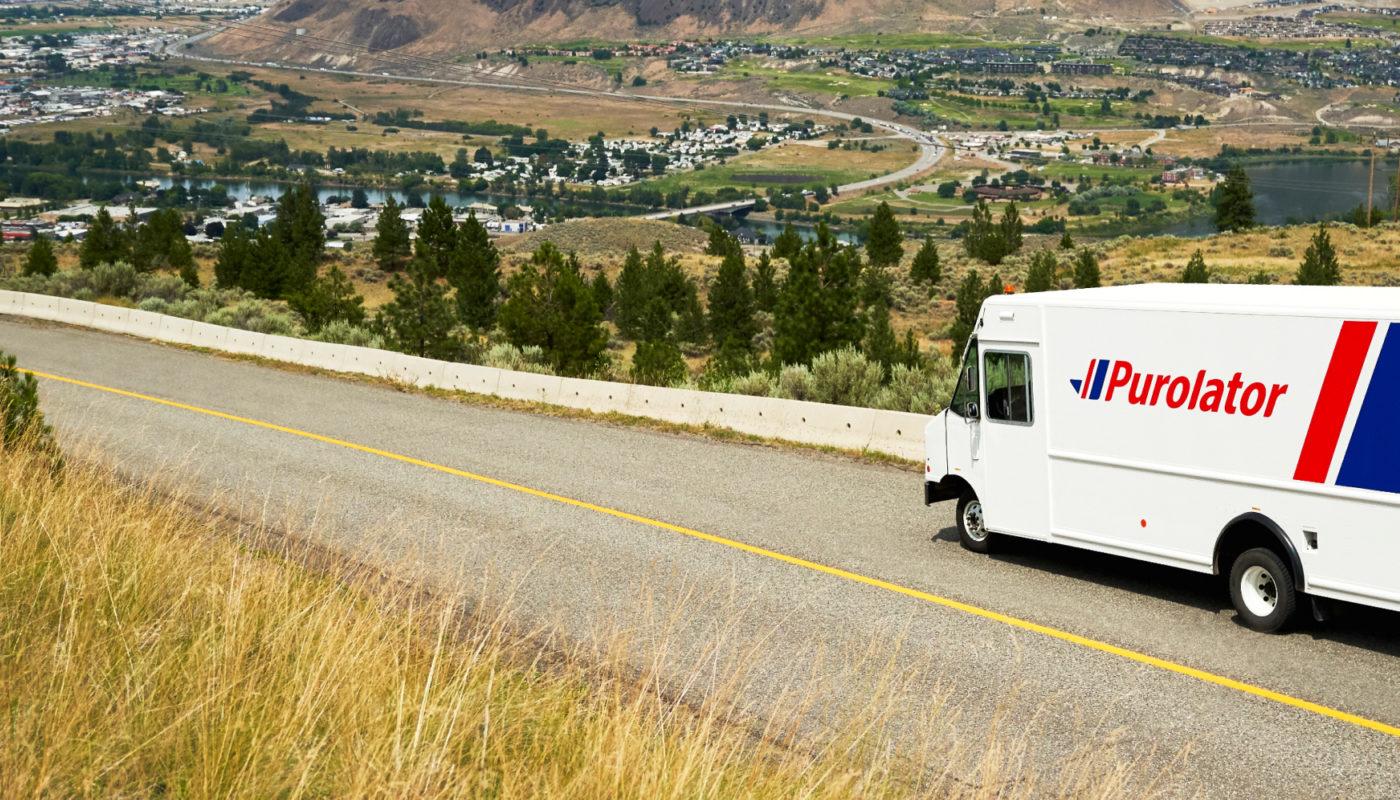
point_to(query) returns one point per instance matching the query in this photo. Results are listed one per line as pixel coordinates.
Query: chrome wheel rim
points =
(1259, 591)
(973, 523)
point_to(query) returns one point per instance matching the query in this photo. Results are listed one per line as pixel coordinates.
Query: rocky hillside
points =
(309, 29)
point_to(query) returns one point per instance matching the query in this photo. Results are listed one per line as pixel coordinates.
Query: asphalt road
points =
(701, 606)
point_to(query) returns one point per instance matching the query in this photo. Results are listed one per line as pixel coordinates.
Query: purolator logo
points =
(1107, 379)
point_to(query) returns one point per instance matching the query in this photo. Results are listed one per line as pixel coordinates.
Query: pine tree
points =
(1234, 202)
(969, 296)
(105, 242)
(765, 284)
(787, 244)
(473, 268)
(1086, 270)
(235, 251)
(984, 238)
(437, 235)
(927, 268)
(603, 293)
(358, 198)
(721, 243)
(268, 264)
(41, 259)
(797, 321)
(419, 320)
(550, 306)
(301, 228)
(1041, 275)
(658, 362)
(884, 243)
(632, 294)
(1320, 266)
(1196, 270)
(1010, 230)
(329, 298)
(731, 320)
(691, 325)
(1066, 241)
(880, 342)
(818, 306)
(391, 240)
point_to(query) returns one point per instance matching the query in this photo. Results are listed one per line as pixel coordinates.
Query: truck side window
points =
(967, 390)
(1008, 387)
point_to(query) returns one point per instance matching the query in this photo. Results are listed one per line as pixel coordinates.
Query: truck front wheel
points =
(1261, 587)
(972, 526)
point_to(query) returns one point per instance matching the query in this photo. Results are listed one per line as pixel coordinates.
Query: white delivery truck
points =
(1246, 431)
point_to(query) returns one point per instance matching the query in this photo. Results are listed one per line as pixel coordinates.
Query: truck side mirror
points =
(972, 411)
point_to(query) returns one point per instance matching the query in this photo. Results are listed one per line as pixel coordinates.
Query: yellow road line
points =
(854, 577)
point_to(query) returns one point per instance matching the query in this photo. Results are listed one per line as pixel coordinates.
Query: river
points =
(1301, 191)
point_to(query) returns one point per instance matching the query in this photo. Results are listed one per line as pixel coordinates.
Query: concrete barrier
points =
(892, 432)
(598, 396)
(899, 433)
(528, 386)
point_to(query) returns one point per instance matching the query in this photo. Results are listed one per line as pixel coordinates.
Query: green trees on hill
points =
(1234, 202)
(473, 269)
(392, 243)
(992, 241)
(1196, 270)
(420, 320)
(1043, 271)
(1320, 266)
(40, 260)
(105, 242)
(550, 306)
(884, 243)
(1086, 270)
(927, 268)
(818, 302)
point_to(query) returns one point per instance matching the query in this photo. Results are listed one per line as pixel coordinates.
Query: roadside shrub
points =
(115, 280)
(795, 383)
(845, 377)
(529, 358)
(164, 287)
(342, 332)
(918, 390)
(21, 422)
(754, 384)
(259, 316)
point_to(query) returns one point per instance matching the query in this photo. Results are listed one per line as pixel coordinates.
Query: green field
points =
(40, 30)
(1379, 23)
(875, 41)
(828, 81)
(1068, 170)
(980, 112)
(170, 80)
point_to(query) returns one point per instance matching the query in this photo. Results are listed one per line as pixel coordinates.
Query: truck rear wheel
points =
(972, 526)
(1261, 587)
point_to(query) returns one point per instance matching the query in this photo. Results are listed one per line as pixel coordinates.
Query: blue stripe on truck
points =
(1372, 459)
(1098, 379)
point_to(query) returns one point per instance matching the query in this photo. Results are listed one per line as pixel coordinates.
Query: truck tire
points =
(972, 526)
(1261, 588)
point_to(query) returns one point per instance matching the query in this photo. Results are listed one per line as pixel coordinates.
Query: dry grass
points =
(1369, 257)
(146, 651)
(608, 238)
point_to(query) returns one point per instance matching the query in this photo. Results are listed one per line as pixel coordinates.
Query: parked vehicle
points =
(1245, 431)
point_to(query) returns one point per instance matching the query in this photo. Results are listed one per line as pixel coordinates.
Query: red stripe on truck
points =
(1338, 388)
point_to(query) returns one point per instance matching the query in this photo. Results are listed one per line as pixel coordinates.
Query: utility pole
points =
(1395, 194)
(1371, 182)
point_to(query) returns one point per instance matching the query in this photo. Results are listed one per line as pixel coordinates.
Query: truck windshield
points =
(966, 390)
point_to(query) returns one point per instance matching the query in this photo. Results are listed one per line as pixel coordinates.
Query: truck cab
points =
(987, 449)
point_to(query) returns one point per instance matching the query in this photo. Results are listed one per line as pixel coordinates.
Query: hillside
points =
(439, 27)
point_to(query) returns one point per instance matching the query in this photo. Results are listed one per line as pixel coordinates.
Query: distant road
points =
(930, 148)
(796, 565)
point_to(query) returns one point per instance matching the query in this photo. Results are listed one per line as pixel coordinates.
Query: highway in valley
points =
(810, 574)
